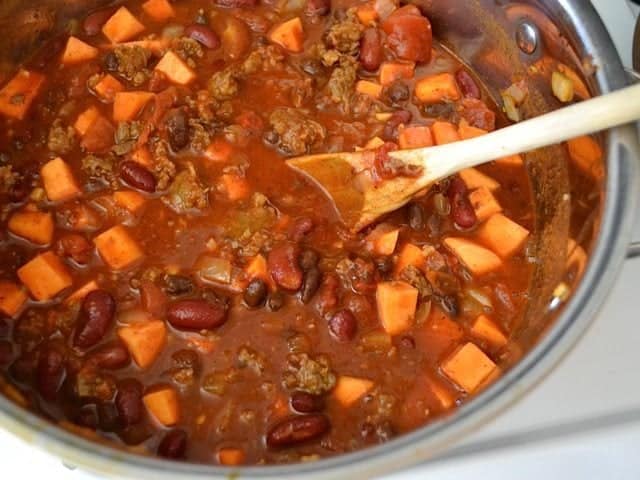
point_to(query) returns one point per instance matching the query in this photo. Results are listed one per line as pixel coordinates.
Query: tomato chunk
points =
(409, 34)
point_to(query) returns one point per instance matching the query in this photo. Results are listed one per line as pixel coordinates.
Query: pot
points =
(503, 44)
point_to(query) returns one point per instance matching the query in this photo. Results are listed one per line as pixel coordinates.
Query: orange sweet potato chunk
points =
(132, 201)
(175, 69)
(17, 96)
(392, 71)
(163, 405)
(366, 13)
(474, 178)
(127, 105)
(37, 227)
(122, 26)
(349, 390)
(468, 367)
(372, 89)
(289, 35)
(58, 180)
(117, 248)
(586, 154)
(82, 292)
(437, 88)
(396, 302)
(45, 276)
(12, 298)
(478, 260)
(413, 255)
(502, 235)
(159, 10)
(415, 136)
(144, 340)
(484, 203)
(444, 132)
(85, 120)
(77, 51)
(467, 131)
(231, 456)
(382, 240)
(485, 329)
(107, 88)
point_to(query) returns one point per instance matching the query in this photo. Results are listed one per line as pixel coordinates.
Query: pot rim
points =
(622, 183)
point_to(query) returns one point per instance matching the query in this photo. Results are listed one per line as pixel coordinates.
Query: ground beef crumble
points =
(186, 193)
(297, 134)
(312, 375)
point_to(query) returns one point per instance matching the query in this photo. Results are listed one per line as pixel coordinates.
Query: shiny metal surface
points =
(578, 20)
(527, 36)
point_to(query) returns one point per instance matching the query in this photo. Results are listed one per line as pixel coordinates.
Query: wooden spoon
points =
(347, 177)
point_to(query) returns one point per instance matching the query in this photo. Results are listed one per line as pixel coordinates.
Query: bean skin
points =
(129, 402)
(296, 430)
(137, 176)
(343, 325)
(304, 402)
(467, 84)
(177, 129)
(371, 49)
(173, 445)
(462, 212)
(196, 315)
(283, 266)
(50, 373)
(97, 312)
(204, 35)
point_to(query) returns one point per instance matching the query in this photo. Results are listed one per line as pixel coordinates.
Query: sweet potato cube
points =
(466, 131)
(485, 329)
(159, 10)
(366, 13)
(586, 155)
(163, 405)
(372, 89)
(12, 298)
(502, 235)
(437, 88)
(117, 248)
(132, 201)
(415, 136)
(257, 268)
(349, 390)
(122, 26)
(37, 227)
(478, 260)
(396, 302)
(392, 71)
(444, 397)
(77, 51)
(142, 155)
(219, 150)
(99, 137)
(413, 255)
(235, 186)
(444, 132)
(474, 178)
(45, 276)
(510, 161)
(374, 143)
(231, 456)
(85, 120)
(107, 88)
(382, 240)
(144, 340)
(175, 69)
(58, 181)
(17, 96)
(82, 292)
(468, 367)
(484, 203)
(289, 35)
(127, 105)
(439, 333)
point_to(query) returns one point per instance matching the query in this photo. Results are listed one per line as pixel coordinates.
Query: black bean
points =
(275, 301)
(255, 293)
(416, 216)
(111, 62)
(310, 284)
(173, 445)
(178, 129)
(398, 92)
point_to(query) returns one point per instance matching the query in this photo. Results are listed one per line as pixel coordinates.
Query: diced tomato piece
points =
(409, 34)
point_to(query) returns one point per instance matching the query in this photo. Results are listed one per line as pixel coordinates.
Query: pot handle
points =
(634, 250)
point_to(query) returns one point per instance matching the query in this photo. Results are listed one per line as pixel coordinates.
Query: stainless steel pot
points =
(501, 43)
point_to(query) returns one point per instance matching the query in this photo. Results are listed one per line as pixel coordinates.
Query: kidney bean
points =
(304, 402)
(111, 356)
(327, 297)
(308, 259)
(204, 35)
(371, 49)
(282, 262)
(93, 23)
(50, 372)
(87, 417)
(467, 84)
(399, 117)
(173, 445)
(108, 417)
(343, 325)
(416, 216)
(255, 293)
(128, 402)
(196, 315)
(152, 298)
(462, 212)
(300, 228)
(96, 316)
(317, 7)
(137, 176)
(6, 353)
(76, 247)
(177, 126)
(296, 430)
(310, 284)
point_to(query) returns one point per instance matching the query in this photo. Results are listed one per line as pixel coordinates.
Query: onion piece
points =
(385, 7)
(214, 269)
(562, 87)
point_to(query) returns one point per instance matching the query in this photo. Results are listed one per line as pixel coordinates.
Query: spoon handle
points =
(589, 116)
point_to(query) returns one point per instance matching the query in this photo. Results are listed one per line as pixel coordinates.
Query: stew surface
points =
(168, 282)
